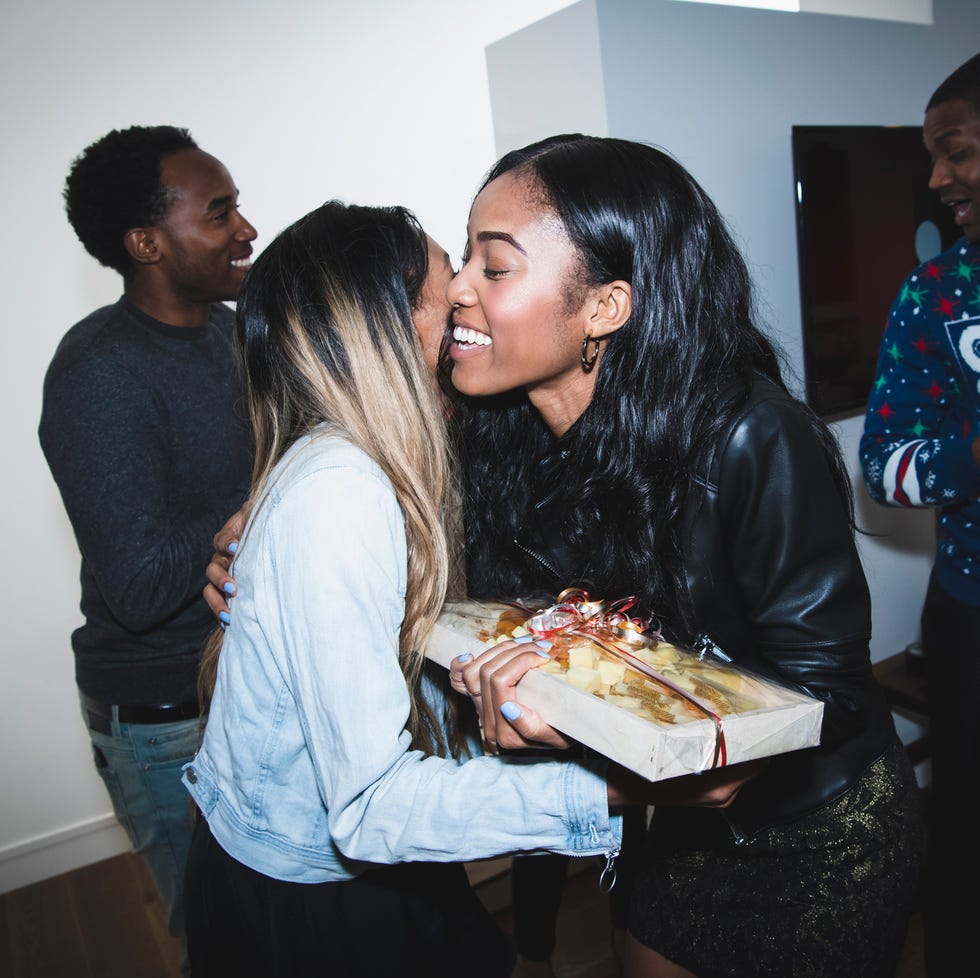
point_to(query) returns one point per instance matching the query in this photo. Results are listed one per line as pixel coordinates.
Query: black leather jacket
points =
(776, 582)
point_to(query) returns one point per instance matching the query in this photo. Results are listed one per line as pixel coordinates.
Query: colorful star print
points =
(918, 296)
(923, 410)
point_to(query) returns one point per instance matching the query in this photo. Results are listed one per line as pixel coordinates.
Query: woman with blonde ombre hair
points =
(340, 786)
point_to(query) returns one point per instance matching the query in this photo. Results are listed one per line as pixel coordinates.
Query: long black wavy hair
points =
(634, 213)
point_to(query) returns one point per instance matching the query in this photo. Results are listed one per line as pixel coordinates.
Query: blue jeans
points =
(140, 765)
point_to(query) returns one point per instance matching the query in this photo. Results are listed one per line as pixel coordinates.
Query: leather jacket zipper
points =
(704, 645)
(737, 834)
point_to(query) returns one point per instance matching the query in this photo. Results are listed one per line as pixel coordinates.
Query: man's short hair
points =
(964, 83)
(114, 185)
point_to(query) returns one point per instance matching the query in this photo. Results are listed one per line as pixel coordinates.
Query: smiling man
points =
(921, 447)
(144, 429)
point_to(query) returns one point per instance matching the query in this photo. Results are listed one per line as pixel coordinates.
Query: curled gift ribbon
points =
(608, 625)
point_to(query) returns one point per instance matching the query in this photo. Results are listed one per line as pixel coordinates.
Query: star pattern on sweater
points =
(917, 296)
(924, 406)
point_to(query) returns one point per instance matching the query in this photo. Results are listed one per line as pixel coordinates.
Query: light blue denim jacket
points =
(306, 771)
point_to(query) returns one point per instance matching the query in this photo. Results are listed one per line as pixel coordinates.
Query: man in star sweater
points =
(921, 447)
(145, 431)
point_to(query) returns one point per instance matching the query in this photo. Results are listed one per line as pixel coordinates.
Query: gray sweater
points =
(145, 431)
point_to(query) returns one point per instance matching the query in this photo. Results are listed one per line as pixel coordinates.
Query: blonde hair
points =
(326, 334)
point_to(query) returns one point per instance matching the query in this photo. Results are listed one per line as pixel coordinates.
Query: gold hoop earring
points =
(589, 362)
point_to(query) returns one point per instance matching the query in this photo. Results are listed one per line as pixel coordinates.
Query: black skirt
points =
(827, 896)
(411, 919)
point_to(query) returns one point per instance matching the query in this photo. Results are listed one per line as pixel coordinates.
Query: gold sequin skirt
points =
(828, 895)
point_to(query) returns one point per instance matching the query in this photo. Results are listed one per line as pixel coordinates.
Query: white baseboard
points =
(60, 852)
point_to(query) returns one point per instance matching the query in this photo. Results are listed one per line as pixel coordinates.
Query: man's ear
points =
(143, 245)
(612, 306)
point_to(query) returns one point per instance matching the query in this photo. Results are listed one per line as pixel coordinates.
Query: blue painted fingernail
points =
(524, 639)
(225, 617)
(543, 644)
(510, 711)
(233, 547)
(465, 657)
(228, 587)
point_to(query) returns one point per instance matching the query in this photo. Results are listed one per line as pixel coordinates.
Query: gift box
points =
(613, 684)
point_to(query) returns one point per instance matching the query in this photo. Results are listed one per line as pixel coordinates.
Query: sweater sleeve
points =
(921, 418)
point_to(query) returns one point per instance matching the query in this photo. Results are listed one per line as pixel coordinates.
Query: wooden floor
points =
(105, 921)
(101, 921)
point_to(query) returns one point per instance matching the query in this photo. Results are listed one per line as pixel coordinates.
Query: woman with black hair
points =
(627, 430)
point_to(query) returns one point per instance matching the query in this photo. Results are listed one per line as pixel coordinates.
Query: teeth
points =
(241, 262)
(471, 336)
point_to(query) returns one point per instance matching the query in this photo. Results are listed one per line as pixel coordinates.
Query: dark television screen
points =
(865, 218)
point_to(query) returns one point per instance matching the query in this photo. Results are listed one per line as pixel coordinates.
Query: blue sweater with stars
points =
(924, 410)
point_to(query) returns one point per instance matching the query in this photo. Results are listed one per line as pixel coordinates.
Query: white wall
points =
(379, 101)
(547, 78)
(914, 11)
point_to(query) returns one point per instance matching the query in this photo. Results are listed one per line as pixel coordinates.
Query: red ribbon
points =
(607, 624)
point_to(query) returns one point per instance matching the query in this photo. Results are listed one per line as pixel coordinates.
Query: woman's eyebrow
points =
(500, 236)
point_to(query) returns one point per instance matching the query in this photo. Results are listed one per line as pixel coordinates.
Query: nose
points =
(940, 175)
(245, 231)
(459, 292)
